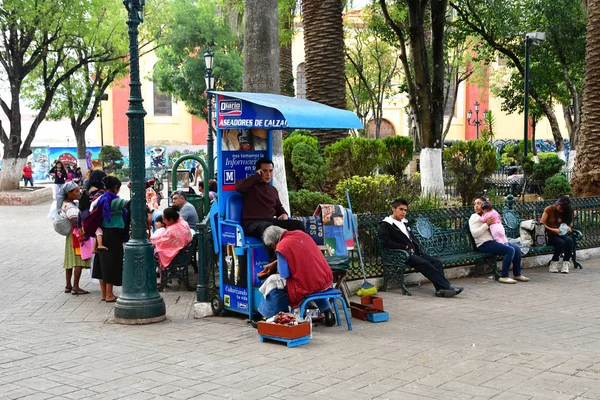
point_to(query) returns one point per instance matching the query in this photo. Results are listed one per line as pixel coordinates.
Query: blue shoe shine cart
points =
(245, 125)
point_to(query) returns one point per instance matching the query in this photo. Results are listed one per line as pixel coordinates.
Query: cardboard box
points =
(284, 331)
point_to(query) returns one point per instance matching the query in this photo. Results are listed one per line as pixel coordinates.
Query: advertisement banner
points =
(236, 113)
(235, 279)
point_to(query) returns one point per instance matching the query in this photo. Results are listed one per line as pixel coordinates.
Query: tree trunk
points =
(81, 148)
(261, 71)
(586, 174)
(286, 78)
(325, 63)
(432, 179)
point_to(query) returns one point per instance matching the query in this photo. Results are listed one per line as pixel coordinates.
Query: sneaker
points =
(565, 267)
(521, 278)
(553, 266)
(506, 280)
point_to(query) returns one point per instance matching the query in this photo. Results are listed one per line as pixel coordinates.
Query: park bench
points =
(455, 247)
(512, 221)
(179, 267)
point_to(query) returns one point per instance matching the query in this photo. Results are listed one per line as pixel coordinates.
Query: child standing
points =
(496, 228)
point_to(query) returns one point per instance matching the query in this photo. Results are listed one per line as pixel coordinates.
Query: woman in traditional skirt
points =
(73, 260)
(109, 267)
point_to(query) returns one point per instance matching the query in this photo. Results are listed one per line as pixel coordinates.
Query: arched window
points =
(386, 129)
(300, 82)
(163, 103)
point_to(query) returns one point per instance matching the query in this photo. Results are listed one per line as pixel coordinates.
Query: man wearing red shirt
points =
(28, 174)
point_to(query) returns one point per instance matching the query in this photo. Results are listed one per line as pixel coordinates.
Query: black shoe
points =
(329, 318)
(445, 293)
(254, 324)
(457, 289)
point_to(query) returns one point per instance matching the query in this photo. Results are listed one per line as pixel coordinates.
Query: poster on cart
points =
(241, 149)
(235, 280)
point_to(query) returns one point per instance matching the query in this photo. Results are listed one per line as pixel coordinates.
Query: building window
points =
(163, 103)
(300, 82)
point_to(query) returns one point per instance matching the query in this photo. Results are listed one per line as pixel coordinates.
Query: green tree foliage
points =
(192, 27)
(78, 97)
(371, 67)
(304, 202)
(471, 163)
(38, 42)
(376, 193)
(549, 165)
(309, 166)
(398, 154)
(556, 186)
(296, 137)
(353, 156)
(556, 66)
(111, 158)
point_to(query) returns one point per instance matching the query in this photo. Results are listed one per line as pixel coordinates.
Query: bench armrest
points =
(577, 234)
(394, 256)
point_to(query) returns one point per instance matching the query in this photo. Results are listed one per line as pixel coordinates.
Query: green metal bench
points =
(453, 247)
(512, 222)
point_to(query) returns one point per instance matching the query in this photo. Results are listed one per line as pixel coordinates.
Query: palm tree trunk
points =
(325, 63)
(261, 71)
(586, 174)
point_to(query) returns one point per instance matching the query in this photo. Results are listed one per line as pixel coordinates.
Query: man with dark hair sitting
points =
(186, 210)
(262, 207)
(394, 233)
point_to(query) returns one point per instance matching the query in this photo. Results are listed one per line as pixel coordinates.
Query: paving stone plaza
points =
(535, 340)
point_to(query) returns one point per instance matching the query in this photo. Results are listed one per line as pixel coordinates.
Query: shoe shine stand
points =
(245, 125)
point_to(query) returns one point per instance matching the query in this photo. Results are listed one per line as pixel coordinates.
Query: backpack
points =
(532, 233)
(539, 234)
(92, 222)
(62, 224)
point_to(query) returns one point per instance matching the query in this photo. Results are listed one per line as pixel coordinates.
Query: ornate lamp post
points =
(476, 122)
(140, 302)
(209, 80)
(530, 38)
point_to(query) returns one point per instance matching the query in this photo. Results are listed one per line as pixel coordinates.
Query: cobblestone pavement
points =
(536, 340)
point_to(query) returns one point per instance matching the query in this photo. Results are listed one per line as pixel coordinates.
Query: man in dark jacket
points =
(262, 207)
(395, 233)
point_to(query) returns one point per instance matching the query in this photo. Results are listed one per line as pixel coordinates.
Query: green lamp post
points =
(140, 302)
(209, 80)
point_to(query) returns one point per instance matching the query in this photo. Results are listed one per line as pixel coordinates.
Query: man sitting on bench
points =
(395, 234)
(262, 207)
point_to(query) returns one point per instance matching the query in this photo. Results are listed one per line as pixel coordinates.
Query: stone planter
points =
(26, 197)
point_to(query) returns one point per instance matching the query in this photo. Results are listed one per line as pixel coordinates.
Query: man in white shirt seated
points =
(394, 233)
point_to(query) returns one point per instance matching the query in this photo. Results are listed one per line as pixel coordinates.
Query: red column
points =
(199, 130)
(120, 103)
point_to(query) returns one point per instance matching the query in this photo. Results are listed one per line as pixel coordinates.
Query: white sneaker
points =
(507, 280)
(553, 266)
(565, 267)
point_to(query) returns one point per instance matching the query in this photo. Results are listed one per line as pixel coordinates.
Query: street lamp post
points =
(140, 302)
(530, 38)
(476, 122)
(209, 80)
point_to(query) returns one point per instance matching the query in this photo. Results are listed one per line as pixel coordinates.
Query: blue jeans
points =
(511, 253)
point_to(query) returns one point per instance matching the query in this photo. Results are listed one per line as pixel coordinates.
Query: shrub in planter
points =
(471, 162)
(557, 186)
(304, 202)
(397, 155)
(289, 143)
(376, 193)
(353, 156)
(309, 167)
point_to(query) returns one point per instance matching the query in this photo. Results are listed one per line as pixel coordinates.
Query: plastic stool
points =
(329, 294)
